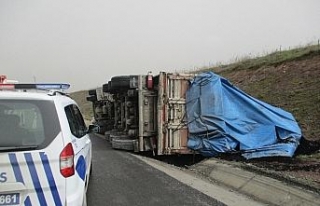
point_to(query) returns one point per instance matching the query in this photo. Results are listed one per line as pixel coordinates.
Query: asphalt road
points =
(118, 178)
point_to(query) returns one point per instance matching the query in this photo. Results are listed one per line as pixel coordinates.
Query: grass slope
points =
(85, 106)
(286, 79)
(289, 80)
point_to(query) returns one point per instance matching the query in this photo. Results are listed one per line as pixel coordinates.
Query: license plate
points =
(10, 199)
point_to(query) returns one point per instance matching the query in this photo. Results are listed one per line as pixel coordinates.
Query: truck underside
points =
(144, 112)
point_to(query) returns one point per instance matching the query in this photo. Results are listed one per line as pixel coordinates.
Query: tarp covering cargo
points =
(223, 119)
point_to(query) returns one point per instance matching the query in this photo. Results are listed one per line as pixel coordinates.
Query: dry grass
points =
(287, 79)
(85, 106)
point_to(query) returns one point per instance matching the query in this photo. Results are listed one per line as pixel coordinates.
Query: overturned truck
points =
(174, 113)
(148, 112)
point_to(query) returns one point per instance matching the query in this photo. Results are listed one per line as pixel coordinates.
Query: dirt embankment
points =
(295, 87)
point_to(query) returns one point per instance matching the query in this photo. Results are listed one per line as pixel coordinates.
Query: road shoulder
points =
(255, 185)
(218, 192)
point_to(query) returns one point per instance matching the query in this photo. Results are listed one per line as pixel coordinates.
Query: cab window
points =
(75, 120)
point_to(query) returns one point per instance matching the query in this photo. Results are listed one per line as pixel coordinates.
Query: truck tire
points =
(92, 98)
(120, 83)
(109, 86)
(105, 88)
(92, 92)
(123, 144)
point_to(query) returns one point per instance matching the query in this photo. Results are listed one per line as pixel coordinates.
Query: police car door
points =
(81, 145)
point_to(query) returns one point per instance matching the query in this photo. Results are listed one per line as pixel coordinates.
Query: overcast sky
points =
(86, 42)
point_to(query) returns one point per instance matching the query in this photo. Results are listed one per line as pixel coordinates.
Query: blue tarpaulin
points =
(223, 119)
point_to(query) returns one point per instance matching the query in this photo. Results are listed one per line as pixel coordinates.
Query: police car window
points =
(27, 123)
(75, 120)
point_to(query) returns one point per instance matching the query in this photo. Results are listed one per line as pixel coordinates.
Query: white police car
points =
(45, 149)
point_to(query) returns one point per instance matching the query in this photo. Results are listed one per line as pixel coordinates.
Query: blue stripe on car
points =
(81, 167)
(15, 167)
(35, 179)
(17, 174)
(50, 178)
(27, 202)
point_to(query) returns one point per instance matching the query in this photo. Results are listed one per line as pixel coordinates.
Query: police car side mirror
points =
(93, 128)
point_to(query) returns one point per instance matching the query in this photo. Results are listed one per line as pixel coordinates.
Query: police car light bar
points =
(35, 86)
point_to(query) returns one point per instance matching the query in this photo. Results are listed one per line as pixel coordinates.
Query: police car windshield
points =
(27, 124)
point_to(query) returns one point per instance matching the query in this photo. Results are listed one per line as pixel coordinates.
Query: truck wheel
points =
(92, 92)
(123, 144)
(92, 98)
(105, 88)
(109, 86)
(120, 82)
(123, 83)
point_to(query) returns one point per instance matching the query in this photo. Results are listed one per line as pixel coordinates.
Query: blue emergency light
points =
(56, 86)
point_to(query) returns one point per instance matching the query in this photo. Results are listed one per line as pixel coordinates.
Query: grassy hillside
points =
(286, 79)
(85, 106)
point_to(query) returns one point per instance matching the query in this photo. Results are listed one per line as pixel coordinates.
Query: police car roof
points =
(28, 95)
(33, 91)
